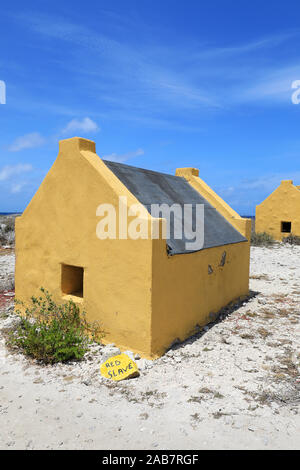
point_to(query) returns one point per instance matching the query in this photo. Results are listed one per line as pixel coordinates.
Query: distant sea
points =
(10, 213)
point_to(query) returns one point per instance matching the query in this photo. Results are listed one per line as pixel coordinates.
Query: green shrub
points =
(262, 239)
(291, 240)
(53, 333)
(9, 225)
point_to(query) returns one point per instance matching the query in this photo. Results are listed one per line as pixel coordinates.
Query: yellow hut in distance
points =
(279, 214)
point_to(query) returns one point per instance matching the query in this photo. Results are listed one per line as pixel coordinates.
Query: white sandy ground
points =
(234, 386)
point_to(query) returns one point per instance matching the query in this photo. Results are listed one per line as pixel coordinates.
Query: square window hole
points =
(286, 227)
(72, 280)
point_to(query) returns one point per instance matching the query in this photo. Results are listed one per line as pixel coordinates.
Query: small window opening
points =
(72, 280)
(286, 227)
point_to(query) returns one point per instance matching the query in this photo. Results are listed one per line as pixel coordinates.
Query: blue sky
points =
(156, 84)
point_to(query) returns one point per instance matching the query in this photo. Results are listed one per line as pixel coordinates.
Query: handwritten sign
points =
(119, 368)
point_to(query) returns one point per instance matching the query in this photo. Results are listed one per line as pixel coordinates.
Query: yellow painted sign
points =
(119, 368)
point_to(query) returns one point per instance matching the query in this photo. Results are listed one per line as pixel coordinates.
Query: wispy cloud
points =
(142, 72)
(27, 141)
(168, 82)
(114, 157)
(271, 181)
(273, 86)
(17, 187)
(85, 125)
(10, 171)
(251, 192)
(59, 28)
(248, 47)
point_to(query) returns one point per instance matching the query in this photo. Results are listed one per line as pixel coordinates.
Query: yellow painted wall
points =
(185, 294)
(283, 205)
(143, 297)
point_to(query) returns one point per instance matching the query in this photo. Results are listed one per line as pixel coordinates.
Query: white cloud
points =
(17, 187)
(35, 139)
(114, 157)
(9, 171)
(84, 125)
(27, 141)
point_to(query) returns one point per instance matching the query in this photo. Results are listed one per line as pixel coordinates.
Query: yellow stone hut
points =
(279, 214)
(148, 291)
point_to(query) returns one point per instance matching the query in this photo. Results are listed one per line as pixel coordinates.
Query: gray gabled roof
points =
(151, 187)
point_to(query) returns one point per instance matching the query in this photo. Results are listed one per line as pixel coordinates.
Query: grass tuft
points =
(262, 239)
(291, 240)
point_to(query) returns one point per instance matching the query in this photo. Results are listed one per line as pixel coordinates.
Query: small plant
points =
(263, 332)
(53, 332)
(7, 231)
(262, 239)
(291, 240)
